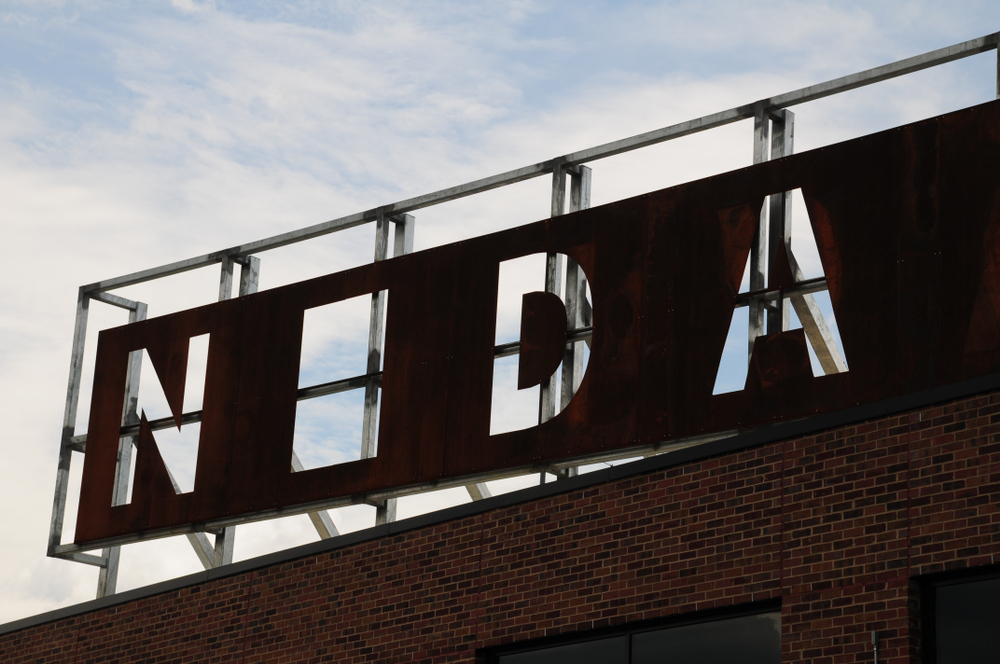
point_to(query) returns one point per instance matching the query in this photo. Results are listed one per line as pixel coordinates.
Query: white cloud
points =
(190, 6)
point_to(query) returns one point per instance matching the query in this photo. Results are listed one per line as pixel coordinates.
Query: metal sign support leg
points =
(385, 510)
(779, 217)
(221, 551)
(574, 296)
(67, 445)
(578, 311)
(779, 231)
(69, 422)
(758, 250)
(107, 579)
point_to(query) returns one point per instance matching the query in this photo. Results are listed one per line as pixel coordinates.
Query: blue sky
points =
(136, 134)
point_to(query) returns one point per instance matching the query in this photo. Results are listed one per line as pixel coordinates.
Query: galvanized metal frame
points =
(769, 307)
(574, 296)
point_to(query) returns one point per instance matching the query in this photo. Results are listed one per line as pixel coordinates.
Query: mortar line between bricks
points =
(76, 642)
(246, 616)
(855, 588)
(479, 575)
(909, 518)
(909, 532)
(781, 533)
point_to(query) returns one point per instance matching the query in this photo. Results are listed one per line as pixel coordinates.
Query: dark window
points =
(964, 619)
(747, 637)
(612, 650)
(750, 640)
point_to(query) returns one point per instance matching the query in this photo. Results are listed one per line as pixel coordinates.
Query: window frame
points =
(493, 654)
(929, 586)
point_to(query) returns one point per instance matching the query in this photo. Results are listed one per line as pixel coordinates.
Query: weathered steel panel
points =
(543, 337)
(907, 224)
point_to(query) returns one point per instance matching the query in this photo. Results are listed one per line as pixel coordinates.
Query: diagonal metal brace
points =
(814, 325)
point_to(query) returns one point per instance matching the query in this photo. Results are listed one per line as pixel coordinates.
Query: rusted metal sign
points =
(907, 223)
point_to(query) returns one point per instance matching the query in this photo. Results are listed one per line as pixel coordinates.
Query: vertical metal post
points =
(226, 278)
(998, 72)
(780, 232)
(374, 365)
(249, 275)
(224, 544)
(403, 237)
(225, 540)
(59, 497)
(548, 396)
(220, 551)
(107, 579)
(384, 512)
(758, 250)
(477, 490)
(579, 196)
(576, 292)
(780, 215)
(69, 421)
(575, 297)
(130, 409)
(553, 276)
(558, 190)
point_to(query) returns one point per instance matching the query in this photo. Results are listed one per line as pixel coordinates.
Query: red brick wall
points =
(836, 525)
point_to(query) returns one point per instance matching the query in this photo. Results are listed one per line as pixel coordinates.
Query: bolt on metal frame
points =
(768, 309)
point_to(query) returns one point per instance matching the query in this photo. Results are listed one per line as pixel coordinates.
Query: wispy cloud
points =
(193, 6)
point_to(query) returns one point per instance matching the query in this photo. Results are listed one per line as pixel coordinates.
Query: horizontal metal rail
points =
(115, 300)
(514, 347)
(321, 390)
(335, 387)
(801, 288)
(746, 111)
(78, 442)
(502, 350)
(85, 558)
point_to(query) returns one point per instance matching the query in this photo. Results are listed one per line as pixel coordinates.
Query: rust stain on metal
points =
(543, 337)
(907, 224)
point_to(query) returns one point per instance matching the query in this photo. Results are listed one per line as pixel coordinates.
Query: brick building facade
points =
(840, 520)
